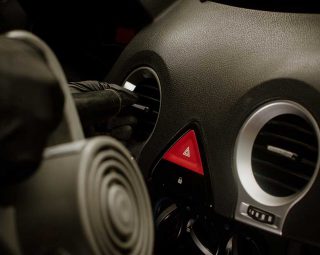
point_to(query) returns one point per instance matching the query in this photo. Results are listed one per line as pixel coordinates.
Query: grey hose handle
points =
(89, 195)
(70, 128)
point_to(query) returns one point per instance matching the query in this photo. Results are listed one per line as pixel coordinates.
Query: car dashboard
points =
(228, 136)
(245, 81)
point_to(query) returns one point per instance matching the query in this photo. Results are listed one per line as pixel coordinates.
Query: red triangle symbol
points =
(185, 153)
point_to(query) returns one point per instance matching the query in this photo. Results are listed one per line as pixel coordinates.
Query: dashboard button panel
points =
(260, 215)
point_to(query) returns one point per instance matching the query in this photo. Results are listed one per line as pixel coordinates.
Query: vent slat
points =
(303, 165)
(149, 116)
(146, 89)
(146, 101)
(149, 88)
(267, 164)
(295, 127)
(308, 163)
(148, 98)
(280, 187)
(284, 155)
(290, 140)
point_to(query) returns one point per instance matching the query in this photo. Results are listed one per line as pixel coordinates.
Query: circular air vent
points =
(284, 155)
(145, 83)
(277, 152)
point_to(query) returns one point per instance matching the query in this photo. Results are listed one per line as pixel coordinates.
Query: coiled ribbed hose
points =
(113, 199)
(88, 197)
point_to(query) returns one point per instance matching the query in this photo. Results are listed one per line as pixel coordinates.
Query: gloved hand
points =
(101, 107)
(31, 104)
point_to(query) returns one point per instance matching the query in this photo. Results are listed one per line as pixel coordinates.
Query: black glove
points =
(31, 104)
(102, 106)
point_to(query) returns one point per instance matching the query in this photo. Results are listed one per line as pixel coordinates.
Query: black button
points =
(260, 215)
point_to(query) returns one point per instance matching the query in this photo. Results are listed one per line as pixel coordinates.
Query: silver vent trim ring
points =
(244, 148)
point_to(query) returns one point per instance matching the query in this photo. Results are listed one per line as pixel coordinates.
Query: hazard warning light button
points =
(185, 153)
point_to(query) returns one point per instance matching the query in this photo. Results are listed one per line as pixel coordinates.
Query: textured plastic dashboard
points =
(216, 64)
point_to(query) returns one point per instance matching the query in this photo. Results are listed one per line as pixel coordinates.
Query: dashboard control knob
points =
(202, 248)
(169, 224)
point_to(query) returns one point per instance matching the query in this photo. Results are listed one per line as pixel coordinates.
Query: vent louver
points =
(145, 83)
(284, 155)
(147, 108)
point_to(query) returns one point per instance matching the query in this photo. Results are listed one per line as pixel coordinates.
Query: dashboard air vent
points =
(145, 83)
(285, 154)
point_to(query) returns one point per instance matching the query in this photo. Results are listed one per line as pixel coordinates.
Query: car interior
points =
(227, 137)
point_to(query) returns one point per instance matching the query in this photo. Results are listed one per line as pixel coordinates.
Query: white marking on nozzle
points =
(129, 86)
